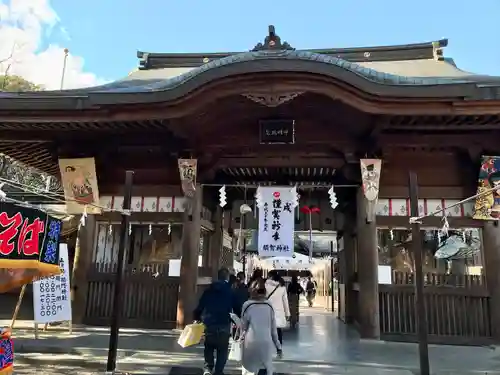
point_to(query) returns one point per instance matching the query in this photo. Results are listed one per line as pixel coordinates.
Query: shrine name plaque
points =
(277, 131)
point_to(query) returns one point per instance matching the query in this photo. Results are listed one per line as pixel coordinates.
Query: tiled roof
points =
(378, 77)
(155, 80)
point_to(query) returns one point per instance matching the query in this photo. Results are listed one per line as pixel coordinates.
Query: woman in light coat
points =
(259, 334)
(277, 296)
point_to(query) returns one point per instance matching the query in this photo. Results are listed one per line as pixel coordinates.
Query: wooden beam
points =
(284, 161)
(89, 137)
(428, 192)
(173, 190)
(431, 221)
(486, 140)
(278, 158)
(280, 179)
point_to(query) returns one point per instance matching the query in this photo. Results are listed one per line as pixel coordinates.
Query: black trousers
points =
(280, 335)
(216, 349)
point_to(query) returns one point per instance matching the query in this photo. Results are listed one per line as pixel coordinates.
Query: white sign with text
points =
(51, 295)
(276, 222)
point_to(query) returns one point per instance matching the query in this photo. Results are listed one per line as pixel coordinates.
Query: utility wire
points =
(58, 197)
(472, 197)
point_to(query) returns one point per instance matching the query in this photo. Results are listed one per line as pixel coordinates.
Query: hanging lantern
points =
(309, 210)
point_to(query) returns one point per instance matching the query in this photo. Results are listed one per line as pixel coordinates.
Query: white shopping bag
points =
(236, 343)
(236, 350)
(236, 320)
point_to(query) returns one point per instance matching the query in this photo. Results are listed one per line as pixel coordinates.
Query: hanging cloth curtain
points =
(29, 245)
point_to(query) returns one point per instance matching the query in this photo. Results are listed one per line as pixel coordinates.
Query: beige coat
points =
(279, 302)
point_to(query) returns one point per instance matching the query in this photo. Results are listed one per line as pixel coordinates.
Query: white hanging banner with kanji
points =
(276, 222)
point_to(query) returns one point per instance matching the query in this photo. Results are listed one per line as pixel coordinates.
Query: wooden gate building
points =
(235, 112)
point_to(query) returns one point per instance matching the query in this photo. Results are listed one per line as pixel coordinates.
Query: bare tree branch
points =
(11, 55)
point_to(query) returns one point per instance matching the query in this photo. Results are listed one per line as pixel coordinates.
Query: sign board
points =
(29, 245)
(277, 131)
(51, 295)
(385, 275)
(276, 222)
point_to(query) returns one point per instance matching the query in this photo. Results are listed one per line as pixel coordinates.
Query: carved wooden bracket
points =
(271, 99)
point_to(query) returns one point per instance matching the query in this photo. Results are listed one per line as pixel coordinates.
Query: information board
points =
(51, 295)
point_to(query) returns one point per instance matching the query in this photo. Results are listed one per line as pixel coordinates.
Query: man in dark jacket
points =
(214, 307)
(241, 293)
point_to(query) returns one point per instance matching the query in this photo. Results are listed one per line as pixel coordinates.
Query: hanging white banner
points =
(370, 175)
(276, 222)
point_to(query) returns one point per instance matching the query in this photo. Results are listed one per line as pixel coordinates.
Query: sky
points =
(103, 36)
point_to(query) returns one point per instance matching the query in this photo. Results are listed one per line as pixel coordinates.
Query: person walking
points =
(259, 332)
(214, 308)
(310, 291)
(241, 293)
(294, 290)
(277, 296)
(256, 275)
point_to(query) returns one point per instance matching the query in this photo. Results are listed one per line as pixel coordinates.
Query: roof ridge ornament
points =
(272, 42)
(437, 49)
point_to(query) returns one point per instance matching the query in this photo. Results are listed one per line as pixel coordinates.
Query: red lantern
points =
(305, 210)
(309, 210)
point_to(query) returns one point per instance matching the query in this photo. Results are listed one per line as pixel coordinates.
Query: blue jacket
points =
(215, 305)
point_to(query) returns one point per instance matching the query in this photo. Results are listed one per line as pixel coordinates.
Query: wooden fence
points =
(150, 296)
(457, 309)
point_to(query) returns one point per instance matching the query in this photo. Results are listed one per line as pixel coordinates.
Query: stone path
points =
(321, 345)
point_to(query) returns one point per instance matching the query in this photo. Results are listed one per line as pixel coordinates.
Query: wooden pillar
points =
(491, 252)
(205, 252)
(191, 231)
(216, 243)
(84, 249)
(348, 270)
(226, 258)
(367, 272)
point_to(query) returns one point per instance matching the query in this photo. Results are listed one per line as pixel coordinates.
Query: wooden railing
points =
(457, 309)
(435, 279)
(150, 296)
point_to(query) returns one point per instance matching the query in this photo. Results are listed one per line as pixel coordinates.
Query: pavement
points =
(321, 345)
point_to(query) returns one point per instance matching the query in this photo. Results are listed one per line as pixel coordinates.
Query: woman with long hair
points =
(277, 296)
(259, 332)
(256, 275)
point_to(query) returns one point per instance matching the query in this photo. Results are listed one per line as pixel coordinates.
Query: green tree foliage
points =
(15, 83)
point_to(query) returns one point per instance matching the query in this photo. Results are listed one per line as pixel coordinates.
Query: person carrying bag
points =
(213, 310)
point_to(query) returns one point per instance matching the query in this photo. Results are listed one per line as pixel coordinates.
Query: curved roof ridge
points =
(441, 42)
(144, 81)
(367, 73)
(450, 61)
(415, 51)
